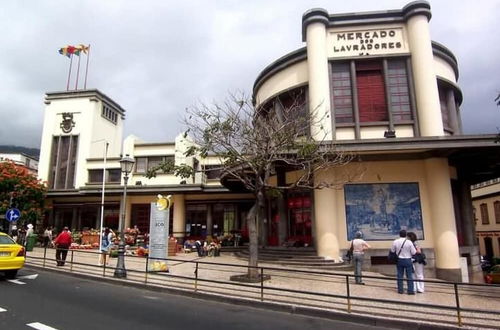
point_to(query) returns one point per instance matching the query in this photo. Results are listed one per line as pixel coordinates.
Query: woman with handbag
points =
(358, 254)
(418, 263)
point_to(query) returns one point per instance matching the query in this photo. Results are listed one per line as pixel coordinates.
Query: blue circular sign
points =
(13, 215)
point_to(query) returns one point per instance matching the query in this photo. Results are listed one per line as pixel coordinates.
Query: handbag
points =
(348, 255)
(393, 256)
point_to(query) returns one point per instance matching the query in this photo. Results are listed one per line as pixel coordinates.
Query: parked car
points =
(12, 256)
(493, 275)
(486, 263)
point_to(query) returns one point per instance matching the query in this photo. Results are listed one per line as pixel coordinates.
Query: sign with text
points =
(158, 237)
(367, 42)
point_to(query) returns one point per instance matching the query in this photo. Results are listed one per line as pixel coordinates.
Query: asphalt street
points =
(48, 300)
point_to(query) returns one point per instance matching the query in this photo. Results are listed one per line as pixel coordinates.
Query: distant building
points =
(21, 159)
(486, 201)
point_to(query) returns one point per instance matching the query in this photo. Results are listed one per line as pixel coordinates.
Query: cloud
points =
(155, 58)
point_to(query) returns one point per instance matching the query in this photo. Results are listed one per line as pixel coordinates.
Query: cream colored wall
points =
(288, 78)
(154, 150)
(345, 134)
(443, 69)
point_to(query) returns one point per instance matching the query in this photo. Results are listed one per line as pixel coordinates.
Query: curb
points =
(292, 309)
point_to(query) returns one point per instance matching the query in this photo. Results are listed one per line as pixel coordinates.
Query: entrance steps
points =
(299, 257)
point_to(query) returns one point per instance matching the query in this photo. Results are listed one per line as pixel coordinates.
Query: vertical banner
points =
(158, 236)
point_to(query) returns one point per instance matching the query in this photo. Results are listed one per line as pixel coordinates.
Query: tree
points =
(21, 189)
(252, 144)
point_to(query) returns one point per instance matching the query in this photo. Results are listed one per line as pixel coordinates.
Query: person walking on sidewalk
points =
(106, 239)
(358, 254)
(62, 243)
(47, 236)
(404, 248)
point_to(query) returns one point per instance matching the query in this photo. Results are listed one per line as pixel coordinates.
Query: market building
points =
(383, 90)
(486, 204)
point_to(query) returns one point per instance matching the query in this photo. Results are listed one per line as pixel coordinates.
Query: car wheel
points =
(11, 274)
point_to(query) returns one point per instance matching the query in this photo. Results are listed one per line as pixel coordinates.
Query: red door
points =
(371, 96)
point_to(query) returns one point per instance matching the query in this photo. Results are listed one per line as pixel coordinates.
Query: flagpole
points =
(77, 74)
(87, 68)
(103, 187)
(69, 73)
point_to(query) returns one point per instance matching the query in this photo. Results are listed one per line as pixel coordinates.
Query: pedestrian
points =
(47, 236)
(62, 243)
(14, 233)
(418, 263)
(106, 240)
(359, 246)
(405, 250)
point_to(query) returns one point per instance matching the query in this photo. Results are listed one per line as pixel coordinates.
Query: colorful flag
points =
(70, 50)
(83, 48)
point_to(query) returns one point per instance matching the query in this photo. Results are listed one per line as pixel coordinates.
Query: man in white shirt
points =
(405, 249)
(358, 254)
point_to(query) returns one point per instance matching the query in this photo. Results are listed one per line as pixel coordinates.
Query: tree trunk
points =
(253, 248)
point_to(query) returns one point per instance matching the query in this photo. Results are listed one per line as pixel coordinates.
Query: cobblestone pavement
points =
(309, 288)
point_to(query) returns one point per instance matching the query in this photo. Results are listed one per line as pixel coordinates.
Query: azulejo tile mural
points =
(380, 211)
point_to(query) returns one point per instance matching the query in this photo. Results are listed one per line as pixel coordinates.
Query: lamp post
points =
(126, 164)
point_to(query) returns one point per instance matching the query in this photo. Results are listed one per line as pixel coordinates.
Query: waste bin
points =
(30, 242)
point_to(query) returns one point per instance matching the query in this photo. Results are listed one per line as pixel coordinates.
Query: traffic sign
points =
(12, 215)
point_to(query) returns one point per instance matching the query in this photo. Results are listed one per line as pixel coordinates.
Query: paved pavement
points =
(304, 291)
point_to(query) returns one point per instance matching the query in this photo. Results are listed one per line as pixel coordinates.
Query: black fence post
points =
(146, 273)
(196, 278)
(261, 283)
(348, 292)
(44, 256)
(459, 316)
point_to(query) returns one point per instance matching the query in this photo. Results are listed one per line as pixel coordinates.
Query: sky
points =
(157, 58)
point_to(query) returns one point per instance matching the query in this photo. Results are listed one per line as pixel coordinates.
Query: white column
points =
(424, 77)
(179, 216)
(442, 216)
(319, 87)
(325, 223)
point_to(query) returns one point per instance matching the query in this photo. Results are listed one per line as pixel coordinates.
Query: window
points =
(445, 112)
(109, 114)
(398, 90)
(144, 164)
(371, 89)
(63, 161)
(342, 93)
(496, 206)
(484, 214)
(212, 171)
(112, 175)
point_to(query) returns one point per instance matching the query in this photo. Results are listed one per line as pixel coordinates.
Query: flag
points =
(69, 50)
(83, 48)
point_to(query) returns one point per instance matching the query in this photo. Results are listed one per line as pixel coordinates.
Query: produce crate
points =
(90, 238)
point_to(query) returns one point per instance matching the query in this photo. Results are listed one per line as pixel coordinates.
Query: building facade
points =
(486, 203)
(28, 162)
(382, 89)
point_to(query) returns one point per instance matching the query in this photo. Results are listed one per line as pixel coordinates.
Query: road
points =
(59, 301)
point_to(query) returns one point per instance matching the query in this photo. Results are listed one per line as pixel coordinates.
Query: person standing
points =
(359, 246)
(62, 243)
(418, 263)
(405, 250)
(47, 236)
(106, 239)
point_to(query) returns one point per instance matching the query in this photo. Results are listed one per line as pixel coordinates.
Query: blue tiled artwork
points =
(380, 211)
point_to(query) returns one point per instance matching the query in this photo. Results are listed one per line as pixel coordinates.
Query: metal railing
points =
(266, 291)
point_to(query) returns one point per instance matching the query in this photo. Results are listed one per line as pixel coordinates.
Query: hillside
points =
(34, 152)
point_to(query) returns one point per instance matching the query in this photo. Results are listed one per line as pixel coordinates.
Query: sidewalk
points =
(323, 293)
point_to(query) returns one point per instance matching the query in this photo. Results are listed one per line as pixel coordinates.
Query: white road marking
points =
(2, 310)
(29, 277)
(40, 326)
(16, 281)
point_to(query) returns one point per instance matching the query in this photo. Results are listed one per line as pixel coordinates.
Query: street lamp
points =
(126, 164)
